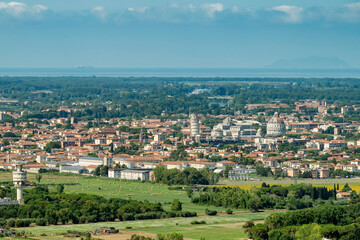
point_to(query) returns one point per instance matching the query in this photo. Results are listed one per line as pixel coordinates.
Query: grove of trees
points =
(188, 176)
(328, 221)
(44, 207)
(267, 197)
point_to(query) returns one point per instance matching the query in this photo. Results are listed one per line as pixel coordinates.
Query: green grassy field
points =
(115, 188)
(209, 232)
(216, 227)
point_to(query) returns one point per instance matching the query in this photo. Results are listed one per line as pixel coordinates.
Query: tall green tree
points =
(38, 178)
(51, 145)
(176, 205)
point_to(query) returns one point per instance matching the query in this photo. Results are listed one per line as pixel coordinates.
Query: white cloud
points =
(13, 8)
(292, 13)
(354, 6)
(188, 7)
(139, 10)
(200, 12)
(235, 9)
(39, 8)
(18, 9)
(212, 8)
(351, 12)
(99, 11)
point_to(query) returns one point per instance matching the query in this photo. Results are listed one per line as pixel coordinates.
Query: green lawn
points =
(211, 230)
(115, 188)
(216, 227)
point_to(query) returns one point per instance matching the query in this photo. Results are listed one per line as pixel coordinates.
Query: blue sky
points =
(177, 33)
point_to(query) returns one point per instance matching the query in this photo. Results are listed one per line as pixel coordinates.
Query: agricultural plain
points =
(231, 225)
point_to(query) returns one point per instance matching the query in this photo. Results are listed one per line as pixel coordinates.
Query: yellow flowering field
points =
(354, 185)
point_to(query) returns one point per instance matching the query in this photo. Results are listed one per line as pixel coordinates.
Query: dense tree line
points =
(43, 207)
(188, 176)
(279, 197)
(139, 97)
(327, 221)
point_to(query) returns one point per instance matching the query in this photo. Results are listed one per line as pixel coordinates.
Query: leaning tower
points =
(195, 129)
(19, 178)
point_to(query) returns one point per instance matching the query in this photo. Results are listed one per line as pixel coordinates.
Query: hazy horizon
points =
(183, 72)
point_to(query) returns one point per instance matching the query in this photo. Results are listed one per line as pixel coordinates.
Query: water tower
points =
(19, 178)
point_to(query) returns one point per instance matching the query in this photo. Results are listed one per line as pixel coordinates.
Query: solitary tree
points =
(59, 188)
(346, 188)
(51, 145)
(38, 177)
(104, 171)
(189, 192)
(176, 205)
(97, 171)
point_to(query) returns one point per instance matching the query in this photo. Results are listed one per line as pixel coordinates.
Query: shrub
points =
(148, 215)
(171, 214)
(175, 188)
(128, 217)
(229, 211)
(22, 223)
(82, 219)
(40, 222)
(187, 214)
(198, 222)
(259, 232)
(10, 223)
(176, 205)
(210, 212)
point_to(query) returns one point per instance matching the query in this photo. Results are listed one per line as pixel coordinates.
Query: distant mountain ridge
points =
(311, 62)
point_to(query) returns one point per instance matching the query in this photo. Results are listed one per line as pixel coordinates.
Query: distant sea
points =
(182, 72)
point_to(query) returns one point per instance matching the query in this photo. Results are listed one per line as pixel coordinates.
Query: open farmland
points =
(210, 230)
(114, 188)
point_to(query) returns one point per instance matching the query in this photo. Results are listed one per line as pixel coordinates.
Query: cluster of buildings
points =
(132, 149)
(234, 130)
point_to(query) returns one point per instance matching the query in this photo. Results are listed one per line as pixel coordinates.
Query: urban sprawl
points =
(282, 145)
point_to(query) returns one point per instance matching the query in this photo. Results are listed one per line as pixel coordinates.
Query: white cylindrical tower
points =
(19, 196)
(19, 178)
(195, 129)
